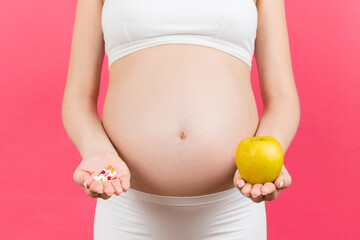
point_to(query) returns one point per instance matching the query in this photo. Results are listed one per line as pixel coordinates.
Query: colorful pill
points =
(97, 178)
(110, 168)
(106, 174)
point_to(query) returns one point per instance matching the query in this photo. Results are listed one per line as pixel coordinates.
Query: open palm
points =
(92, 165)
(263, 192)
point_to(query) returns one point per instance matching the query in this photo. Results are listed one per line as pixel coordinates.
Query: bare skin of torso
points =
(175, 113)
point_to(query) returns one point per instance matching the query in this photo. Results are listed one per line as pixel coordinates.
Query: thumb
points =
(89, 178)
(78, 176)
(238, 181)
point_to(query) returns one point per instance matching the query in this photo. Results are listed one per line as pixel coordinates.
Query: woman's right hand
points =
(92, 165)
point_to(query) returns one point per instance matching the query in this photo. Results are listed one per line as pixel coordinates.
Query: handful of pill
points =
(106, 174)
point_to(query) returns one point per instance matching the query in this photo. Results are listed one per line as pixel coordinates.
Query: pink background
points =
(323, 159)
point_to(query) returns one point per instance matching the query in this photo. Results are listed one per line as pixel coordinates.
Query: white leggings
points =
(136, 215)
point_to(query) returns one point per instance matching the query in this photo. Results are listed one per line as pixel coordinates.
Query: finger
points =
(85, 177)
(117, 186)
(90, 193)
(268, 188)
(257, 199)
(246, 189)
(108, 188)
(104, 196)
(238, 181)
(256, 190)
(96, 195)
(88, 180)
(280, 181)
(123, 174)
(97, 187)
(79, 176)
(125, 181)
(272, 196)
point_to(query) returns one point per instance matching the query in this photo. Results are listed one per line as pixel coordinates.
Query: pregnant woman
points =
(179, 102)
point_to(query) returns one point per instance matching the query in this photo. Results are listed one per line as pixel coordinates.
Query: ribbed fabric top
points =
(226, 25)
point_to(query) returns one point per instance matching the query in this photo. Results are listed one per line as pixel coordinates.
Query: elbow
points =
(65, 111)
(73, 105)
(65, 106)
(295, 109)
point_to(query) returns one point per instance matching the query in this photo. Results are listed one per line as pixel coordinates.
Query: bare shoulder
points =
(272, 50)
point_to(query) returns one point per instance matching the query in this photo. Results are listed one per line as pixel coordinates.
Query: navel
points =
(182, 135)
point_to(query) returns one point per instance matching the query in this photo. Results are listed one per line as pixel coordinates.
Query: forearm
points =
(84, 128)
(280, 120)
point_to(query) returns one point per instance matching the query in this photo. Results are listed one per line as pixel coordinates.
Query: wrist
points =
(104, 155)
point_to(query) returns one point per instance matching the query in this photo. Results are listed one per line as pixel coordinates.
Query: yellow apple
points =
(259, 159)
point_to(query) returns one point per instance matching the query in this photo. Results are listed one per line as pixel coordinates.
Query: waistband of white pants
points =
(182, 201)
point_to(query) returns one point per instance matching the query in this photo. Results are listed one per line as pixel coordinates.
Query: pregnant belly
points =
(177, 122)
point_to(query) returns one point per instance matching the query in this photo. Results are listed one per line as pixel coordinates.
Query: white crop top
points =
(227, 25)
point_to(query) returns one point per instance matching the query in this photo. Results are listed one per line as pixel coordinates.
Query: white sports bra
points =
(227, 25)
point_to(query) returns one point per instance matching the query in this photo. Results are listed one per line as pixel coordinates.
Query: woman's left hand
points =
(263, 192)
